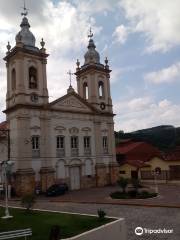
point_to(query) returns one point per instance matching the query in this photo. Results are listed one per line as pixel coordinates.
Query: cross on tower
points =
(25, 12)
(70, 76)
(90, 35)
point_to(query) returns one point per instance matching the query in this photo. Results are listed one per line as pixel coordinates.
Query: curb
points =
(119, 203)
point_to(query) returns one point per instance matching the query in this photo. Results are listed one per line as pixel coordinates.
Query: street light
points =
(5, 165)
(6, 133)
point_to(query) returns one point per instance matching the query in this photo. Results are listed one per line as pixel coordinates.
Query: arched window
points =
(13, 79)
(33, 78)
(85, 90)
(101, 89)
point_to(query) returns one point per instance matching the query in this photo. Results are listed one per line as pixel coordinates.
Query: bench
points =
(16, 234)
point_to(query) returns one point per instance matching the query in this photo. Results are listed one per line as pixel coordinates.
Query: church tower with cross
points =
(69, 140)
(26, 91)
(93, 79)
(27, 84)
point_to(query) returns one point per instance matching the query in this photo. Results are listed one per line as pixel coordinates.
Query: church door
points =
(75, 178)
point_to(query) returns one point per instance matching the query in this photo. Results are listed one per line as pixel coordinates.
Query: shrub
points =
(101, 214)
(28, 201)
(146, 194)
(123, 182)
(119, 195)
(136, 184)
(55, 233)
(132, 193)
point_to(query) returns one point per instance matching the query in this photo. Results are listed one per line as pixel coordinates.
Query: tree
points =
(123, 182)
(28, 201)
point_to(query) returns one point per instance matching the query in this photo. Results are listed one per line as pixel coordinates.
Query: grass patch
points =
(133, 195)
(41, 223)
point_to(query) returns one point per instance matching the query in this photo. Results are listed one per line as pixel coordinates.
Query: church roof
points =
(3, 125)
(73, 102)
(25, 36)
(78, 97)
(91, 56)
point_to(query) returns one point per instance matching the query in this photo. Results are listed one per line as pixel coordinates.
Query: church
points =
(70, 140)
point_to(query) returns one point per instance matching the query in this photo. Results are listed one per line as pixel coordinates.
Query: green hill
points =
(164, 137)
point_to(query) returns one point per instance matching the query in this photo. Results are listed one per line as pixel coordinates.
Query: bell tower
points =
(26, 69)
(26, 97)
(93, 79)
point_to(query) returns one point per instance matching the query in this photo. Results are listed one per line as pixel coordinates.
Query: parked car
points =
(57, 189)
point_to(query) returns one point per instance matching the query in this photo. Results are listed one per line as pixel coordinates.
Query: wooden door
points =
(75, 178)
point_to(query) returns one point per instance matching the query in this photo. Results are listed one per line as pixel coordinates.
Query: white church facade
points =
(68, 140)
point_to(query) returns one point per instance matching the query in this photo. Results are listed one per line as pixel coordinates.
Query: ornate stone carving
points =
(73, 130)
(59, 129)
(86, 129)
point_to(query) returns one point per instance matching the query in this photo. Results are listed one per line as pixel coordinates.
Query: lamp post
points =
(5, 164)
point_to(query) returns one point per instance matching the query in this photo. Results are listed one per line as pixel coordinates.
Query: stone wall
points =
(102, 175)
(88, 181)
(47, 178)
(24, 182)
(114, 173)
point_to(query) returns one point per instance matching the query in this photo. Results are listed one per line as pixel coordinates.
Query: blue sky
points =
(141, 39)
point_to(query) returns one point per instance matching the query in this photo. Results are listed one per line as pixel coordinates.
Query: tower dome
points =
(91, 56)
(25, 36)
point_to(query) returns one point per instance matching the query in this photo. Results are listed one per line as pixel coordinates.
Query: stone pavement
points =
(169, 196)
(135, 216)
(88, 201)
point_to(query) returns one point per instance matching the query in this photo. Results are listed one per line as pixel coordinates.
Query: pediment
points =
(71, 103)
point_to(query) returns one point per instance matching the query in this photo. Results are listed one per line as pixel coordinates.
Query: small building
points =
(146, 162)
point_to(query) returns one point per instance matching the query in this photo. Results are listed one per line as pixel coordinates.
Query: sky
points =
(140, 38)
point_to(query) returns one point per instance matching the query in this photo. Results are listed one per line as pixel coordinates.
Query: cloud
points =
(63, 26)
(158, 20)
(144, 112)
(120, 34)
(166, 75)
(95, 6)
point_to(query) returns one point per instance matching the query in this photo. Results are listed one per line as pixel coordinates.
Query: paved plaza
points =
(135, 216)
(169, 196)
(144, 216)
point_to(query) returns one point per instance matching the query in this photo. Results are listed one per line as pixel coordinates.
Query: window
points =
(13, 79)
(101, 89)
(74, 142)
(87, 142)
(87, 145)
(105, 142)
(74, 146)
(60, 142)
(35, 142)
(85, 90)
(60, 146)
(33, 78)
(35, 146)
(122, 172)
